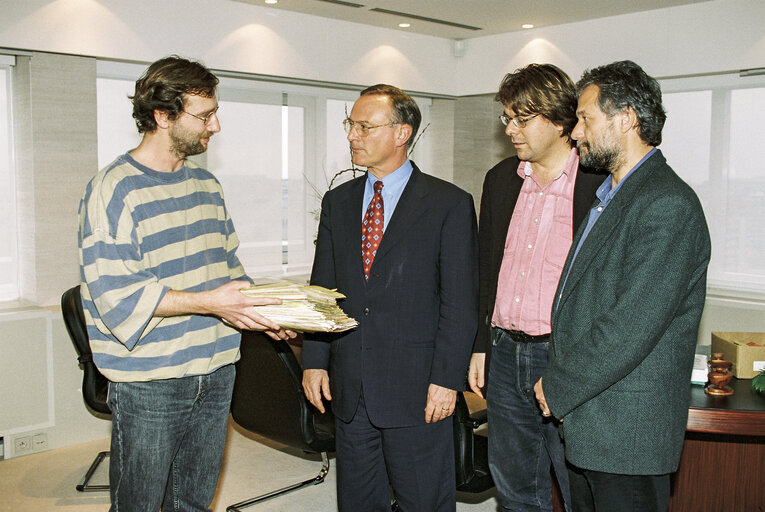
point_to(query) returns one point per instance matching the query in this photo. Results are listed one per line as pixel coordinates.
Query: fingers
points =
(316, 384)
(325, 389)
(476, 373)
(540, 395)
(257, 322)
(440, 404)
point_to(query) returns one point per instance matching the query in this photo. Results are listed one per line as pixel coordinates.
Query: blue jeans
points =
(167, 441)
(522, 444)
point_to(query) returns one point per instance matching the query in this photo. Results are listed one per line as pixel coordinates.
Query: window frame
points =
(9, 285)
(312, 99)
(721, 280)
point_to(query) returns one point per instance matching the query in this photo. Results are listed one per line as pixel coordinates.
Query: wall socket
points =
(30, 443)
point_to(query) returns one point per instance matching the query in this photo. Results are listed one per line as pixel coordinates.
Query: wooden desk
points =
(722, 467)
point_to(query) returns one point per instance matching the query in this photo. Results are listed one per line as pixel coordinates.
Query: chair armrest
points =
(478, 418)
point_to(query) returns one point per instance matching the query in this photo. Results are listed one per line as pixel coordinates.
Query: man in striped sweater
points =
(160, 292)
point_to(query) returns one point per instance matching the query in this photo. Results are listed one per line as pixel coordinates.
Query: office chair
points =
(268, 400)
(471, 450)
(94, 384)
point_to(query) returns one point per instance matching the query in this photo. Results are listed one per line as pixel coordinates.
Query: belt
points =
(527, 338)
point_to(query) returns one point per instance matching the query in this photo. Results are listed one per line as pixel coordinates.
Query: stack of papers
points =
(304, 308)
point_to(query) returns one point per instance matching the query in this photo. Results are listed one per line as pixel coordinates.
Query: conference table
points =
(722, 468)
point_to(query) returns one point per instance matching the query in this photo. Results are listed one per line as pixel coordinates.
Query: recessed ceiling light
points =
(404, 25)
(527, 25)
(272, 2)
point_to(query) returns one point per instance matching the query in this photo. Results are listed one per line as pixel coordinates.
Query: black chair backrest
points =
(268, 397)
(94, 384)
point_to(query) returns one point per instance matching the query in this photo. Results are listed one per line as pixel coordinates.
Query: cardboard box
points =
(746, 350)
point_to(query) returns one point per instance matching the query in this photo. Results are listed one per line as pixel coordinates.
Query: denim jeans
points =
(167, 441)
(522, 444)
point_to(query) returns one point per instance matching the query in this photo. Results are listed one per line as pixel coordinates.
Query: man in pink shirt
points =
(530, 208)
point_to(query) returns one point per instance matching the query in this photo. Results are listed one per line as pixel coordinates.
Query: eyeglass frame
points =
(362, 129)
(204, 119)
(519, 122)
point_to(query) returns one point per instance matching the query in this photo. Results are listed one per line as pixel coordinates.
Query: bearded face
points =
(185, 141)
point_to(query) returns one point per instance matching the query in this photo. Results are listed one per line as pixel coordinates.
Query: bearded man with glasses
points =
(401, 245)
(531, 206)
(160, 291)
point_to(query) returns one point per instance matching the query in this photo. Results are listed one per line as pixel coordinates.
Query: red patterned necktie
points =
(372, 229)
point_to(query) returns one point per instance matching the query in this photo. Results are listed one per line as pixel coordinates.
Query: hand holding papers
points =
(304, 308)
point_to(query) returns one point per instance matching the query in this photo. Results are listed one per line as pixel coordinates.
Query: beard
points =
(598, 157)
(185, 143)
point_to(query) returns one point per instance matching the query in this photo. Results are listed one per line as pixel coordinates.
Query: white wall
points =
(703, 37)
(232, 36)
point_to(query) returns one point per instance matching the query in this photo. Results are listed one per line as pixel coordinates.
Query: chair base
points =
(84, 486)
(263, 497)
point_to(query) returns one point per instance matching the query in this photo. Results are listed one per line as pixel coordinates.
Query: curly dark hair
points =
(405, 109)
(624, 84)
(541, 89)
(163, 86)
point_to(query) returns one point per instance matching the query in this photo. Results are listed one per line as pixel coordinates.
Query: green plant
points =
(758, 382)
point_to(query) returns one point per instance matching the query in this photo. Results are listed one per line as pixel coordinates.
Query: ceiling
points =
(463, 19)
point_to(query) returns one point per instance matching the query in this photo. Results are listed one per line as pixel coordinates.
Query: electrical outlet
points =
(22, 445)
(39, 442)
(30, 443)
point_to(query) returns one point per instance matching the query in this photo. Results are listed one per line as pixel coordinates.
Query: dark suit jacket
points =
(416, 314)
(501, 188)
(625, 330)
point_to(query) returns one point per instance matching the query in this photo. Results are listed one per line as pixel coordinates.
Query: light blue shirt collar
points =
(393, 186)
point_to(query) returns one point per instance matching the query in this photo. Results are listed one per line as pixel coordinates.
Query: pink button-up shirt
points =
(537, 243)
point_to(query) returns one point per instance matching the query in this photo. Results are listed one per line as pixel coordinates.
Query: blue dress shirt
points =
(393, 186)
(605, 193)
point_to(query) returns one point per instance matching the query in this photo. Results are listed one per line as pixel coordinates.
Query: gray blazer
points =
(625, 329)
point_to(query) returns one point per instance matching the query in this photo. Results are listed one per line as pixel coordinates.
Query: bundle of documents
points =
(304, 308)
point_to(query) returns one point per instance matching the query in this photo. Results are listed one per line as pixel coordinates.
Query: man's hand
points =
(440, 403)
(540, 394)
(476, 372)
(316, 384)
(227, 303)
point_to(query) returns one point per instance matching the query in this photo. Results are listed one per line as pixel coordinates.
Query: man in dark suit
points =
(530, 208)
(393, 380)
(628, 306)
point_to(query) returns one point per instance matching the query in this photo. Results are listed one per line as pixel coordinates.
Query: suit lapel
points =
(506, 199)
(410, 207)
(351, 215)
(607, 223)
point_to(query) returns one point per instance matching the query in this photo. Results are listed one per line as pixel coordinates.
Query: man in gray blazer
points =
(627, 310)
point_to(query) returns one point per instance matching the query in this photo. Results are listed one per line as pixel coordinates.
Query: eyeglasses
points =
(205, 118)
(361, 128)
(520, 122)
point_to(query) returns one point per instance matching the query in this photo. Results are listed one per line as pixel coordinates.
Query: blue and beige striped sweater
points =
(142, 233)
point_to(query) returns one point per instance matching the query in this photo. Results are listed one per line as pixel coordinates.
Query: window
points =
(8, 254)
(714, 140)
(279, 147)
